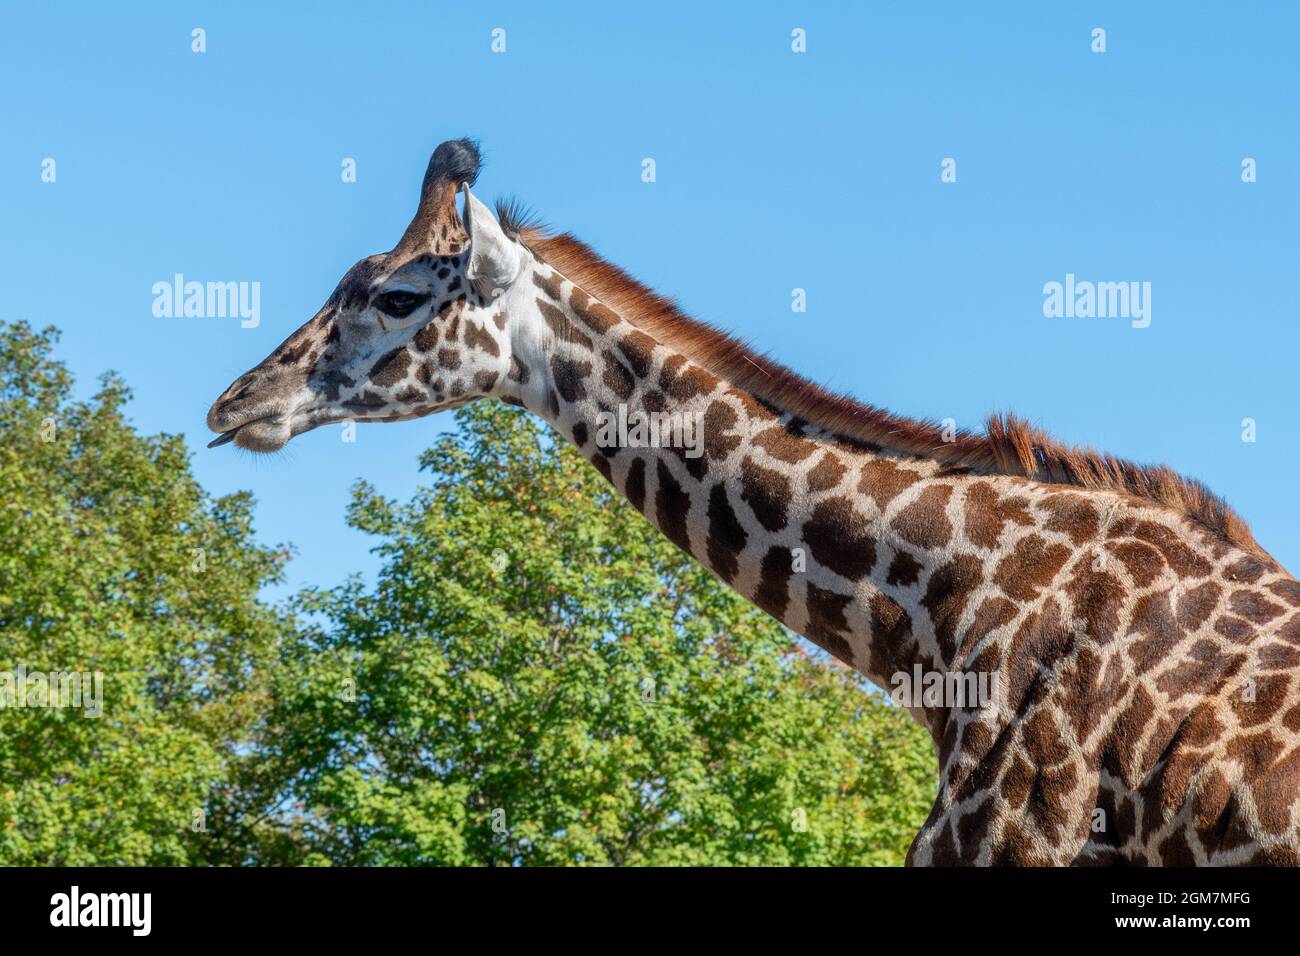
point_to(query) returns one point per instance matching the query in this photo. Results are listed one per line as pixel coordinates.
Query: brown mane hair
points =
(1009, 446)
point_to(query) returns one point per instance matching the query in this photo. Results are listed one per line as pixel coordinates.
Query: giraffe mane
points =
(1009, 445)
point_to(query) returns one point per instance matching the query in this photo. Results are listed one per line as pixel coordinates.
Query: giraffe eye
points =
(400, 304)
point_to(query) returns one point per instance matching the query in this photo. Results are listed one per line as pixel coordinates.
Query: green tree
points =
(540, 677)
(113, 560)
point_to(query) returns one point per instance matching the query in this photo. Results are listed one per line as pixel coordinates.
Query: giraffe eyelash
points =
(400, 311)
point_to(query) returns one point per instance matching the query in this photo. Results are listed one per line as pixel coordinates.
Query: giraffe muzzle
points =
(254, 412)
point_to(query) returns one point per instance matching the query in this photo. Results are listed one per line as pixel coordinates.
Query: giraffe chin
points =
(266, 435)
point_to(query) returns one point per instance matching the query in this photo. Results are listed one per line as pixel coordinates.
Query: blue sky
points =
(775, 170)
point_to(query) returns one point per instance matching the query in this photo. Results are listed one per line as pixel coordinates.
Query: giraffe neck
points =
(795, 520)
(1122, 637)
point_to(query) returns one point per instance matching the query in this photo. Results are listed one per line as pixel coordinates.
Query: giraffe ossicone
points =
(1145, 648)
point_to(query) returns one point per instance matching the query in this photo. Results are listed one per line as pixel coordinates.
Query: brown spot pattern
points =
(837, 536)
(923, 523)
(766, 492)
(1030, 567)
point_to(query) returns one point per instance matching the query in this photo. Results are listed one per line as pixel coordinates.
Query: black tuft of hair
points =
(457, 161)
(515, 218)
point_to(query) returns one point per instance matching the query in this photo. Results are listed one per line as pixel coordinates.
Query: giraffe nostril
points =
(240, 389)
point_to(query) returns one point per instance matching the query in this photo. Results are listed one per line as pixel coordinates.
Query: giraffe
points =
(1145, 647)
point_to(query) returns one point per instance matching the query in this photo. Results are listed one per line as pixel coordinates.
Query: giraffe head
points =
(405, 333)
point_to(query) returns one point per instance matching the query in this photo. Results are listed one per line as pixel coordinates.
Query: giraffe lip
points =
(229, 435)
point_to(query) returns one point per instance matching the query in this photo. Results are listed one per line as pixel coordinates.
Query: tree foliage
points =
(113, 560)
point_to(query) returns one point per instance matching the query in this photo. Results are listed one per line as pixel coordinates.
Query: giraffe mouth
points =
(268, 433)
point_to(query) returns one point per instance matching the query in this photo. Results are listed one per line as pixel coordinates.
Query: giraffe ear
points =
(494, 259)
